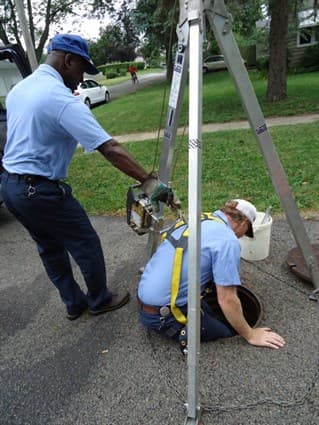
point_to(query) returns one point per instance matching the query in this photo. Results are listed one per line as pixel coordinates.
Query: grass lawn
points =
(232, 167)
(141, 111)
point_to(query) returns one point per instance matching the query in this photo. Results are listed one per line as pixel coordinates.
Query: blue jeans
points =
(210, 327)
(60, 226)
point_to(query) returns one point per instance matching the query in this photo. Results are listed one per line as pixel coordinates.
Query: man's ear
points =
(68, 59)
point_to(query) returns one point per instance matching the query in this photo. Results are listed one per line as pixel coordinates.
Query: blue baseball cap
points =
(73, 44)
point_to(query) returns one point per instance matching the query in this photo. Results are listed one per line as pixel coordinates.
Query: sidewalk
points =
(232, 125)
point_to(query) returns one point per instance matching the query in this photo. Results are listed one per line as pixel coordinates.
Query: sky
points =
(86, 28)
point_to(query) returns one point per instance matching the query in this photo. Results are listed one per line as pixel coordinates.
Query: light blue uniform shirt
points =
(46, 122)
(219, 262)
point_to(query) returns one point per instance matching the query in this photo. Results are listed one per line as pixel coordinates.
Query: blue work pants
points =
(210, 327)
(60, 226)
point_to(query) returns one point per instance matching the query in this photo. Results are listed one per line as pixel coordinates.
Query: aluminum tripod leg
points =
(172, 119)
(195, 17)
(220, 21)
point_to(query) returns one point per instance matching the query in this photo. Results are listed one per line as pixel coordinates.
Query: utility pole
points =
(26, 34)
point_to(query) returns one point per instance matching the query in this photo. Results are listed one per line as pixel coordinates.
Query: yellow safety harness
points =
(180, 246)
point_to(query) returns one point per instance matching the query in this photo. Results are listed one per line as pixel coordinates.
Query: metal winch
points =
(140, 211)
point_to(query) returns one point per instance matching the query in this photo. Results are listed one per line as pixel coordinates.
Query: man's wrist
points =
(152, 175)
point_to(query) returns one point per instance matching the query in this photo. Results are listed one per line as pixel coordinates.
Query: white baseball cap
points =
(249, 211)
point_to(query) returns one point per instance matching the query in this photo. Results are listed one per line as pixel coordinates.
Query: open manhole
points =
(252, 307)
(297, 263)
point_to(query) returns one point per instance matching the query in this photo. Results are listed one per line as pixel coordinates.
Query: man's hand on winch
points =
(158, 191)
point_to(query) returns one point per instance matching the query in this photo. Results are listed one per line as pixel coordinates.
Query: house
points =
(306, 35)
(303, 33)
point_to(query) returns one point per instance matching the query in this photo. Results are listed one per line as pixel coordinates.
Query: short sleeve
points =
(80, 123)
(226, 263)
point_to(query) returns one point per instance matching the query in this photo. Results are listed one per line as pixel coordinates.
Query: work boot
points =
(76, 312)
(118, 300)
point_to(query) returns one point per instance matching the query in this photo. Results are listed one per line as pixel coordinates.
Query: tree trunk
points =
(277, 73)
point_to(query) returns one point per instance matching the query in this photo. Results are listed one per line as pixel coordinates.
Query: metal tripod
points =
(190, 41)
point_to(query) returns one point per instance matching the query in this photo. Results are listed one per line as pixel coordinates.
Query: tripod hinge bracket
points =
(228, 25)
(194, 16)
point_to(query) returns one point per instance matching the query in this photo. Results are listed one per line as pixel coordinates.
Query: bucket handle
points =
(267, 215)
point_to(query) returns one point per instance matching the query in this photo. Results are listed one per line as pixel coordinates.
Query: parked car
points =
(14, 66)
(92, 93)
(214, 63)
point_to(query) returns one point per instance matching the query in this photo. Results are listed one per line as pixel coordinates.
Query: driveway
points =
(108, 370)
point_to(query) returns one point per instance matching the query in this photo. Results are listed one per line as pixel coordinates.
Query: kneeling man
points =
(162, 290)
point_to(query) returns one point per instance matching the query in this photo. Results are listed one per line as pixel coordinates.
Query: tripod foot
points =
(314, 296)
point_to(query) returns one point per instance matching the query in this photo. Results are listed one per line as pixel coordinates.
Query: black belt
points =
(29, 178)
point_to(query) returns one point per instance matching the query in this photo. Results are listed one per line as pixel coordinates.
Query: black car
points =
(14, 66)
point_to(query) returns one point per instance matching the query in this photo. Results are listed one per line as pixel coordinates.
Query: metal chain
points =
(165, 372)
(291, 285)
(229, 408)
(283, 403)
(170, 46)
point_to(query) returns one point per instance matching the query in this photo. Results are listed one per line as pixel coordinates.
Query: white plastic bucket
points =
(257, 248)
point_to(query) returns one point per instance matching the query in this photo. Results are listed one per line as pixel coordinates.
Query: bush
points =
(110, 75)
(102, 68)
(119, 68)
(139, 65)
(154, 63)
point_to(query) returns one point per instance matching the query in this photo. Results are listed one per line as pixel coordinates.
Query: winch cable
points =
(180, 140)
(156, 152)
(155, 161)
(178, 147)
(139, 206)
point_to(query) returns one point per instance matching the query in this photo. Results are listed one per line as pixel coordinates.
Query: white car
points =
(214, 63)
(92, 93)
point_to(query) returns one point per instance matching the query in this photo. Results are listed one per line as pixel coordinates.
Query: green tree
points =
(281, 12)
(112, 46)
(245, 13)
(156, 21)
(129, 35)
(41, 16)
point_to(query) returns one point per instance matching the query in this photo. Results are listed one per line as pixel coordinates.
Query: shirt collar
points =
(222, 216)
(44, 67)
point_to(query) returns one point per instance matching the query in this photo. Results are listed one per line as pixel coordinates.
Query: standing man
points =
(163, 288)
(45, 124)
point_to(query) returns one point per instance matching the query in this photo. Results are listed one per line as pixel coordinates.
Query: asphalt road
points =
(108, 370)
(144, 80)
